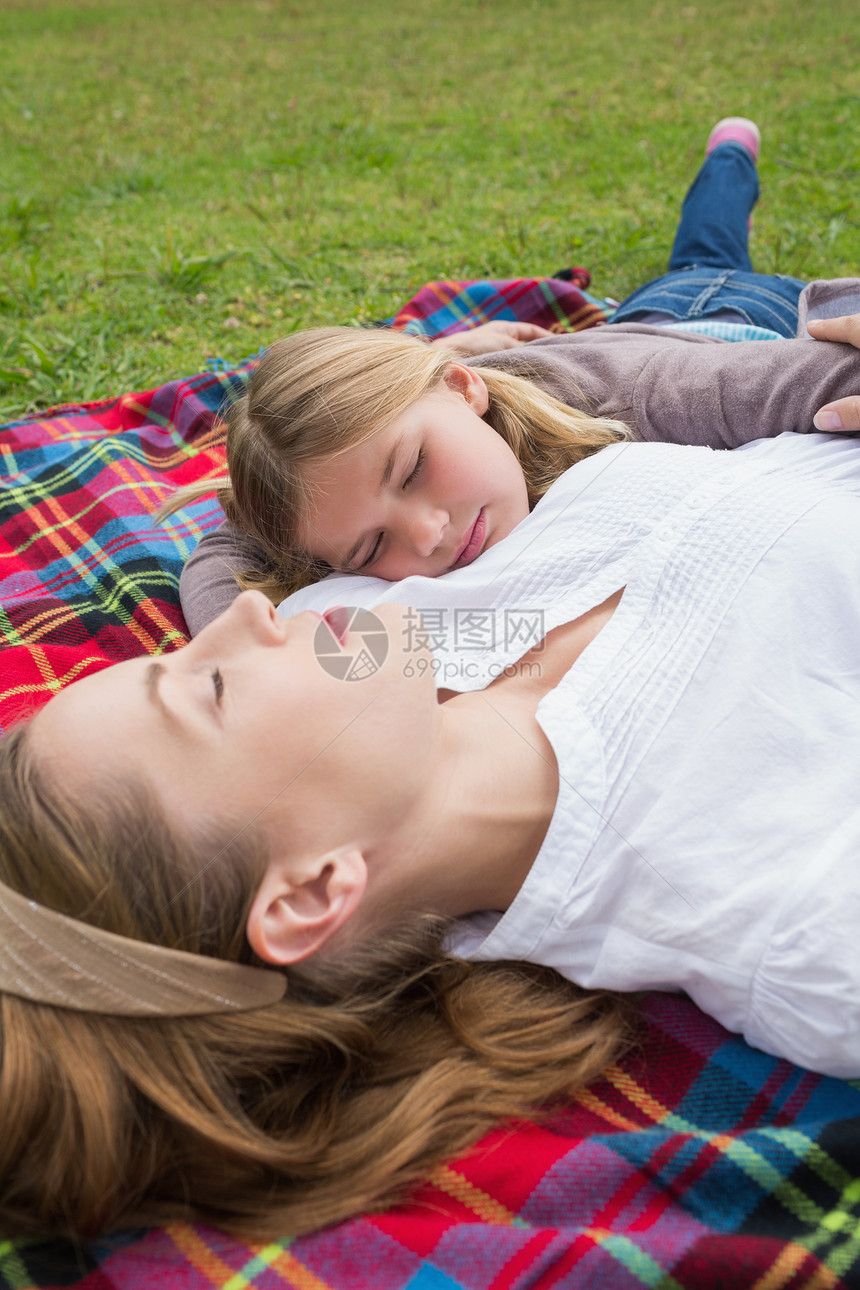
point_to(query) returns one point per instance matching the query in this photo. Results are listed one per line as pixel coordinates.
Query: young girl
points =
(319, 396)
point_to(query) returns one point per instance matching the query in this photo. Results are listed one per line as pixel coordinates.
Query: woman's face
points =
(251, 723)
(425, 494)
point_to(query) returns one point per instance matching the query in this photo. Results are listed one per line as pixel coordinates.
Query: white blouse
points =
(706, 835)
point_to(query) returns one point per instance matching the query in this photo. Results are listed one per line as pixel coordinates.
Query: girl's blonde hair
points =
(267, 1123)
(318, 393)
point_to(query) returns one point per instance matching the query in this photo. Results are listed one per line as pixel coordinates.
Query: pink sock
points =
(735, 129)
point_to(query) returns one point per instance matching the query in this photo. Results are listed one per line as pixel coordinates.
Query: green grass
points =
(187, 179)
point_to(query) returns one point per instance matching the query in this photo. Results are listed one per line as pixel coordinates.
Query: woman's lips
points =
(474, 541)
(337, 621)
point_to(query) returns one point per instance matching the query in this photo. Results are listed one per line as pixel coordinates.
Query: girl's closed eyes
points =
(376, 548)
(416, 469)
(366, 563)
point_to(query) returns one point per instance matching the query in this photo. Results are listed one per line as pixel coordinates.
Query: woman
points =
(151, 1069)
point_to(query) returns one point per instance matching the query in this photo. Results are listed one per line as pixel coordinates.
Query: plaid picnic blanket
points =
(560, 303)
(697, 1163)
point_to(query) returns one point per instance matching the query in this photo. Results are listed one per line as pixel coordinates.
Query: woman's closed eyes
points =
(218, 683)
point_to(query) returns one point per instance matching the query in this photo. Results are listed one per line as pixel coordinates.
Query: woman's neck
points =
(489, 800)
(496, 799)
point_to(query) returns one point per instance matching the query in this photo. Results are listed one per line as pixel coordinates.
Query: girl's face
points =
(246, 725)
(426, 494)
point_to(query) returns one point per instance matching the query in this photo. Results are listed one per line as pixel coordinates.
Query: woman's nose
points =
(426, 530)
(251, 617)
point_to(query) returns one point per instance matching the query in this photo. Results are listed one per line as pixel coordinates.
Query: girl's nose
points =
(426, 530)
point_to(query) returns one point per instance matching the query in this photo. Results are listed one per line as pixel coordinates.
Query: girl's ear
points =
(295, 912)
(466, 381)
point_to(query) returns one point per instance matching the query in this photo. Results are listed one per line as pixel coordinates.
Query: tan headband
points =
(48, 957)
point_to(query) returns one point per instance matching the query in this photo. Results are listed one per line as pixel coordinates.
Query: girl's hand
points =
(489, 337)
(842, 414)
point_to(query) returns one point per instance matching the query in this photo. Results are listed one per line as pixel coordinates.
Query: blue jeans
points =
(710, 270)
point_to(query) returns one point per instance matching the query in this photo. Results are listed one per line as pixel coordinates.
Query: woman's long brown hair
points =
(268, 1123)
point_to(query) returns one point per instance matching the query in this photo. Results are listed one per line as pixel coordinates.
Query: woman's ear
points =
(466, 381)
(295, 911)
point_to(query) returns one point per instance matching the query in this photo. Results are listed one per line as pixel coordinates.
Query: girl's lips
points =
(473, 543)
(337, 621)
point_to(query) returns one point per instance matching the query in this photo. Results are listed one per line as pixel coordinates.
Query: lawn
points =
(184, 180)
